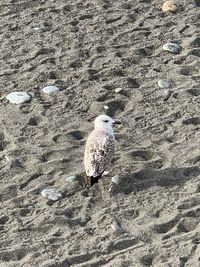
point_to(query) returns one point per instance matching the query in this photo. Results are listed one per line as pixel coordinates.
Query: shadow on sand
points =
(146, 178)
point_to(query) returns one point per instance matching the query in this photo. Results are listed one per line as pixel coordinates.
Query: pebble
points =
(169, 6)
(50, 89)
(116, 179)
(106, 107)
(164, 84)
(118, 90)
(18, 97)
(36, 28)
(172, 48)
(71, 178)
(167, 93)
(14, 161)
(185, 71)
(51, 194)
(116, 226)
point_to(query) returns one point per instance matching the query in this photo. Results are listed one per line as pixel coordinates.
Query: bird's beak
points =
(116, 122)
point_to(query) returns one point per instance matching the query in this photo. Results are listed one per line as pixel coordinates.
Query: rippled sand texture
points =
(88, 49)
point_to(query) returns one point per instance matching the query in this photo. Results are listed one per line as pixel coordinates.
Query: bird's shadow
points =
(146, 178)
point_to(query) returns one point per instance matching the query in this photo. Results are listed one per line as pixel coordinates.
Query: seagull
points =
(99, 149)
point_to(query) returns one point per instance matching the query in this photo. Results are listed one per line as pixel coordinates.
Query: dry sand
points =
(88, 49)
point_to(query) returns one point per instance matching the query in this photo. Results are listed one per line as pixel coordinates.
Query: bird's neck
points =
(108, 130)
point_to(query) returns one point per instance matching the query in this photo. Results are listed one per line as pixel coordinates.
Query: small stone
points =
(185, 71)
(36, 28)
(116, 179)
(167, 93)
(50, 89)
(172, 48)
(18, 97)
(169, 6)
(164, 84)
(118, 90)
(106, 107)
(132, 83)
(116, 226)
(14, 162)
(71, 178)
(51, 194)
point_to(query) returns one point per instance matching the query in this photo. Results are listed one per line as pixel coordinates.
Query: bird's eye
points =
(106, 121)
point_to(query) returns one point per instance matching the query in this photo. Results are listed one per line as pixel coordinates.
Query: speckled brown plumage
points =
(99, 151)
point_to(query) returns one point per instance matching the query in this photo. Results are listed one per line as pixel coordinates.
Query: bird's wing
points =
(99, 151)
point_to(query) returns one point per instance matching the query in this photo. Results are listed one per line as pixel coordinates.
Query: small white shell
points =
(36, 28)
(172, 47)
(50, 89)
(118, 90)
(51, 194)
(163, 84)
(117, 227)
(71, 178)
(167, 92)
(18, 97)
(116, 179)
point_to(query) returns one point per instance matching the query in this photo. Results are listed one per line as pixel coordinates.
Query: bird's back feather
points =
(99, 151)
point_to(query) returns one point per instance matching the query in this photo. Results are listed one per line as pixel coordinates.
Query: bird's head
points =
(105, 122)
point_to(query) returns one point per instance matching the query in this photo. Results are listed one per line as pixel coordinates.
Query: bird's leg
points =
(87, 182)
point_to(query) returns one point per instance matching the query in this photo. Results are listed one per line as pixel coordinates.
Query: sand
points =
(88, 49)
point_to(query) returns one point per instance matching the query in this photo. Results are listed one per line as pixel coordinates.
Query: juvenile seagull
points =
(99, 149)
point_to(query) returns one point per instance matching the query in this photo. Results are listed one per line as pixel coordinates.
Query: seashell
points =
(18, 97)
(163, 84)
(50, 89)
(172, 47)
(116, 226)
(169, 6)
(118, 90)
(51, 194)
(167, 93)
(71, 178)
(116, 179)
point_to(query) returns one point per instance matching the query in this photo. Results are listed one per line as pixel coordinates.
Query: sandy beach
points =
(106, 57)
